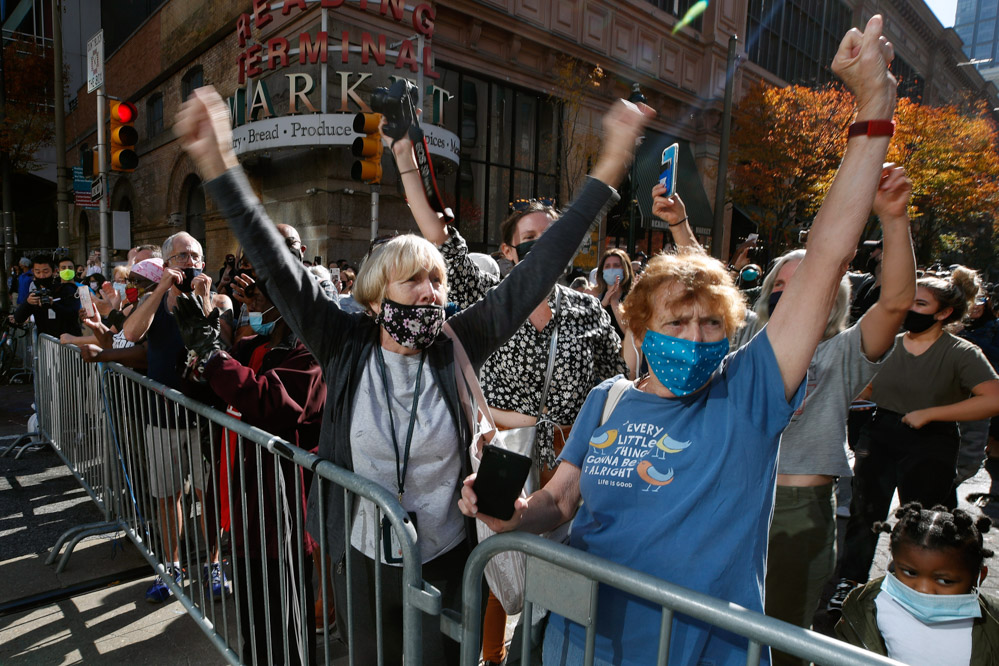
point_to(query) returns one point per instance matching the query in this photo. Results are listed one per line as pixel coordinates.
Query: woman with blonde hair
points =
(392, 411)
(678, 481)
(932, 380)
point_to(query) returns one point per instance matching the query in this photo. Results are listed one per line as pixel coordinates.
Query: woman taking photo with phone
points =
(392, 411)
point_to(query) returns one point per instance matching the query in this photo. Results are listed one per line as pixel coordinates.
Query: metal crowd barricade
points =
(108, 423)
(565, 580)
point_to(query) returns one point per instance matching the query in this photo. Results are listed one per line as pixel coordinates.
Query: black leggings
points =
(444, 572)
(921, 464)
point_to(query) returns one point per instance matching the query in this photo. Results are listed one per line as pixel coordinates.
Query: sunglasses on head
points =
(519, 205)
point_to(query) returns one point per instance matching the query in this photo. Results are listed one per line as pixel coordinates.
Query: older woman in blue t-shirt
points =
(679, 480)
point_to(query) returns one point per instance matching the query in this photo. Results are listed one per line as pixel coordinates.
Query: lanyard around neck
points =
(401, 466)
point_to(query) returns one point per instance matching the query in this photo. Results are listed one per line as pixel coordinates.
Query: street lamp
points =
(636, 97)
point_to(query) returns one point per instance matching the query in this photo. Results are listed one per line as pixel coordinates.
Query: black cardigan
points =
(342, 342)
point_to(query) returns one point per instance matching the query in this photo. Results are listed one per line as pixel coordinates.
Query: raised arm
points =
(674, 212)
(880, 324)
(204, 131)
(137, 325)
(490, 322)
(799, 320)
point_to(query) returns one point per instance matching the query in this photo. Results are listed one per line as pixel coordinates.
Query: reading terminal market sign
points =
(305, 120)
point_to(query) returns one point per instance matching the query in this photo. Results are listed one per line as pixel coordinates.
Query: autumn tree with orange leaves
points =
(788, 142)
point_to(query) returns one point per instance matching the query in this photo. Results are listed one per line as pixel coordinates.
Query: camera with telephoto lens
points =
(44, 296)
(398, 104)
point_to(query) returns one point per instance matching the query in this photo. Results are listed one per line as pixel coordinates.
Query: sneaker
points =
(843, 588)
(158, 592)
(216, 582)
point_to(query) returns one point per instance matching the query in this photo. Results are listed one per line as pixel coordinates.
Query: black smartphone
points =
(500, 479)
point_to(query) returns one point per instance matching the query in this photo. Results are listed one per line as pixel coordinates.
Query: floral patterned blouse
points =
(513, 378)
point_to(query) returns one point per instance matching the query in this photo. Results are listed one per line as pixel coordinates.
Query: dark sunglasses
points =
(520, 205)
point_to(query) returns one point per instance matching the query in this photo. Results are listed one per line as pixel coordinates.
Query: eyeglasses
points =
(185, 257)
(293, 243)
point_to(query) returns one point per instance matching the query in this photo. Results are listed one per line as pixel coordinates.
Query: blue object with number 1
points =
(667, 173)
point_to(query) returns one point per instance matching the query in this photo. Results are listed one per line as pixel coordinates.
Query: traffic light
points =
(88, 161)
(368, 148)
(123, 136)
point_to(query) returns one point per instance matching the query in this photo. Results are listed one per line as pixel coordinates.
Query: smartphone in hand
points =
(667, 170)
(500, 479)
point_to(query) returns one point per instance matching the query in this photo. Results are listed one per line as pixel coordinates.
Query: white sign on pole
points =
(121, 230)
(97, 187)
(95, 61)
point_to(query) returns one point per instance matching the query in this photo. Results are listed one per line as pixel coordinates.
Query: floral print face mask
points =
(413, 326)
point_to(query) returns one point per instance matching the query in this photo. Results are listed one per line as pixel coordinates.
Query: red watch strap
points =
(872, 128)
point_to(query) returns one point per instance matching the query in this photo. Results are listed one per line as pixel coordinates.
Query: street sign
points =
(656, 223)
(97, 187)
(95, 61)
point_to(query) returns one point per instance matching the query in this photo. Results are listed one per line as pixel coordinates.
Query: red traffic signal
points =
(124, 136)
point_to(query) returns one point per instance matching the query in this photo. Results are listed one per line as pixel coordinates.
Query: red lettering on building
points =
(369, 48)
(407, 56)
(277, 50)
(344, 47)
(261, 13)
(314, 50)
(243, 29)
(241, 68)
(288, 4)
(254, 58)
(428, 69)
(423, 19)
(330, 4)
(397, 7)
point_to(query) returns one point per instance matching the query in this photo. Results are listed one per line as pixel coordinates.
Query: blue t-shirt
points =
(682, 489)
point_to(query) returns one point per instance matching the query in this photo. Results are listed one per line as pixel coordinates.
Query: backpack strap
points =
(617, 389)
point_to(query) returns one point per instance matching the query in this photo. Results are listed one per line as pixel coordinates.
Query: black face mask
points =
(772, 303)
(524, 248)
(189, 275)
(45, 283)
(917, 322)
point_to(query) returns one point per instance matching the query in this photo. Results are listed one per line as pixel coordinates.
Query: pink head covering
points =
(151, 269)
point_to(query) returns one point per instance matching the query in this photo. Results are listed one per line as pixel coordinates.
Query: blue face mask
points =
(612, 274)
(932, 608)
(682, 366)
(256, 322)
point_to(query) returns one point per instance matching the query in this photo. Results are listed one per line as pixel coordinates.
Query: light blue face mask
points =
(120, 288)
(256, 322)
(932, 608)
(612, 274)
(682, 366)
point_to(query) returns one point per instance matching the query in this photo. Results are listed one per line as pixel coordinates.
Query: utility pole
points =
(6, 192)
(102, 157)
(718, 228)
(62, 193)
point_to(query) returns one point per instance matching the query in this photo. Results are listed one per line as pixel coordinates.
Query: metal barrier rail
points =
(99, 421)
(565, 580)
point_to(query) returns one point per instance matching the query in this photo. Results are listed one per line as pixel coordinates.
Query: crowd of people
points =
(689, 417)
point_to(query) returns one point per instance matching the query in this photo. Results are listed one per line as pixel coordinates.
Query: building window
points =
(910, 82)
(509, 148)
(796, 39)
(154, 115)
(679, 9)
(193, 79)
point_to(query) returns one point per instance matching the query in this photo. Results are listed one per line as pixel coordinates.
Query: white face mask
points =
(932, 608)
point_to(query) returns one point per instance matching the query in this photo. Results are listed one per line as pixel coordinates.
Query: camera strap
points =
(426, 167)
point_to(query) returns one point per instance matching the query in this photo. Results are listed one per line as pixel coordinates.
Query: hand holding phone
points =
(667, 171)
(500, 479)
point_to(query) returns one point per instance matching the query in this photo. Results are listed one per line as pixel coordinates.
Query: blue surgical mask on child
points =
(682, 366)
(932, 608)
(612, 274)
(256, 322)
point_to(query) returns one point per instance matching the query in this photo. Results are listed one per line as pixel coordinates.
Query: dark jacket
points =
(342, 343)
(62, 316)
(859, 626)
(285, 397)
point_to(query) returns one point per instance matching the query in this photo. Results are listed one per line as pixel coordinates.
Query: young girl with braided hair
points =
(928, 610)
